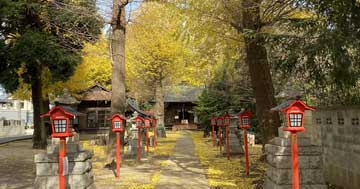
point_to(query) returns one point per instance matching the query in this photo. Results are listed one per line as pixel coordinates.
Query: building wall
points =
(173, 111)
(17, 110)
(337, 130)
(94, 110)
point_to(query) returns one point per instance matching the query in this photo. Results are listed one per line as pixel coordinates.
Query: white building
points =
(14, 109)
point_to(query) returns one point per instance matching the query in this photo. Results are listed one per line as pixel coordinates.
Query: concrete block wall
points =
(337, 130)
(80, 166)
(279, 163)
(12, 128)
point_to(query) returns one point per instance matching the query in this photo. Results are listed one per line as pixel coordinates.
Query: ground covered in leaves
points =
(18, 171)
(134, 174)
(224, 173)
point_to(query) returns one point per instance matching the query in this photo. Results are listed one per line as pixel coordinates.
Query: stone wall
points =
(279, 163)
(337, 130)
(79, 174)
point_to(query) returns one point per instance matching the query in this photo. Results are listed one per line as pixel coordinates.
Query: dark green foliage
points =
(39, 36)
(323, 51)
(42, 33)
(38, 48)
(229, 91)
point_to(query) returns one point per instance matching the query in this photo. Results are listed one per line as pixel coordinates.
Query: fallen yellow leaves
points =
(156, 157)
(166, 145)
(225, 173)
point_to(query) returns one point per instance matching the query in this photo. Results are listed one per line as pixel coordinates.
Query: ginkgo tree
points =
(155, 55)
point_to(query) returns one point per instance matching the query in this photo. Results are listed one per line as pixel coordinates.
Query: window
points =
(22, 105)
(341, 121)
(91, 119)
(318, 121)
(295, 119)
(355, 121)
(245, 121)
(328, 121)
(103, 120)
(117, 124)
(60, 126)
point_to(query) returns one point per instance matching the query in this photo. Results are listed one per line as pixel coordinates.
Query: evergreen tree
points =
(44, 35)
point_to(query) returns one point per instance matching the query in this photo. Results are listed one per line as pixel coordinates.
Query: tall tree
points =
(117, 52)
(44, 35)
(259, 68)
(248, 22)
(156, 57)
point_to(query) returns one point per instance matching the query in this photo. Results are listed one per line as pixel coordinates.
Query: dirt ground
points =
(17, 168)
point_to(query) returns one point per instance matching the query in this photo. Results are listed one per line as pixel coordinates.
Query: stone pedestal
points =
(133, 145)
(160, 131)
(279, 163)
(79, 169)
(235, 139)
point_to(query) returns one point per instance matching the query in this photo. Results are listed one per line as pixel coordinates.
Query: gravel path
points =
(183, 169)
(17, 167)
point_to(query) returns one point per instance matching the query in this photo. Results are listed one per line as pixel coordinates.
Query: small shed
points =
(179, 106)
(95, 103)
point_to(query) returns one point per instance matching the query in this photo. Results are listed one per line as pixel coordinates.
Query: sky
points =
(104, 8)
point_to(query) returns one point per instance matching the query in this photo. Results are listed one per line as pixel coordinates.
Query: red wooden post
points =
(246, 152)
(154, 137)
(293, 112)
(61, 125)
(227, 143)
(147, 141)
(155, 143)
(139, 150)
(62, 152)
(118, 155)
(220, 136)
(213, 134)
(295, 162)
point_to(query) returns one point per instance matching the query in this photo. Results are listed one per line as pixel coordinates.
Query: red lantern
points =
(139, 122)
(245, 119)
(117, 121)
(226, 120)
(213, 121)
(147, 122)
(61, 122)
(219, 121)
(293, 114)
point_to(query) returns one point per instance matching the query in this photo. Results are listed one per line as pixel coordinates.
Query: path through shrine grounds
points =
(184, 169)
(174, 164)
(17, 167)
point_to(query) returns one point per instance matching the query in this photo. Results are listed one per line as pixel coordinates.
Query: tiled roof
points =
(282, 105)
(96, 93)
(183, 94)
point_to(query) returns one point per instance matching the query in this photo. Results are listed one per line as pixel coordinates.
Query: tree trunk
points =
(259, 68)
(39, 138)
(45, 133)
(159, 109)
(117, 49)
